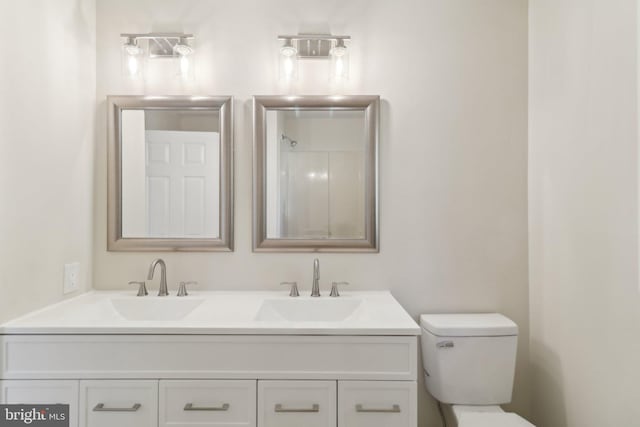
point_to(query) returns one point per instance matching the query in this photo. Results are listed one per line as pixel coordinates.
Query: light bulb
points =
(288, 61)
(132, 66)
(132, 59)
(339, 62)
(183, 48)
(184, 66)
(184, 53)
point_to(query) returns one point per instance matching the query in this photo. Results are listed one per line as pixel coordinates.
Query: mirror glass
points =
(315, 173)
(170, 173)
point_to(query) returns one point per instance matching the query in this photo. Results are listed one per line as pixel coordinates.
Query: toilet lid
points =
(492, 419)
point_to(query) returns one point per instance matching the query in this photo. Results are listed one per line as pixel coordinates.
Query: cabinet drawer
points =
(208, 403)
(296, 403)
(121, 403)
(377, 404)
(42, 392)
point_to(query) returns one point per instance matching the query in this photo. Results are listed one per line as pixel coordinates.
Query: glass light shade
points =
(186, 67)
(339, 62)
(185, 63)
(132, 60)
(288, 62)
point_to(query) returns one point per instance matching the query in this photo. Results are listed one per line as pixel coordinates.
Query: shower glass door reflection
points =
(316, 189)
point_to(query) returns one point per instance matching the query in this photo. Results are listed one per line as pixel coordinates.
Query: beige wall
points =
(47, 86)
(585, 299)
(453, 78)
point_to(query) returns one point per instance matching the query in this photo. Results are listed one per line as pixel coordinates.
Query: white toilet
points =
(469, 362)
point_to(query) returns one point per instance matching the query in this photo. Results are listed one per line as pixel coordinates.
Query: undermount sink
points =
(155, 308)
(307, 310)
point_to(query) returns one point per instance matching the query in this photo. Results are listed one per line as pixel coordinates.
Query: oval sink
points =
(151, 308)
(307, 310)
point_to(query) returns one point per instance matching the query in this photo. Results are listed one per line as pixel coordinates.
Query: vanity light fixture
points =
(175, 46)
(314, 46)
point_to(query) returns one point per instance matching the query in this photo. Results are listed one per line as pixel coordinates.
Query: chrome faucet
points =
(162, 290)
(315, 288)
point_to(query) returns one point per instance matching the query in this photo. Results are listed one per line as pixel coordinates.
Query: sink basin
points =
(308, 310)
(151, 308)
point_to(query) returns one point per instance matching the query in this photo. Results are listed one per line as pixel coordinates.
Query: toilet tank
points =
(469, 359)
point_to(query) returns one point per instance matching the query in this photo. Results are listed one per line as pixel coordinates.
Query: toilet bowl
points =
(469, 365)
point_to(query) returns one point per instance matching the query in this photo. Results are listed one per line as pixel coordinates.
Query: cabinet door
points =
(42, 392)
(106, 403)
(377, 404)
(208, 403)
(296, 403)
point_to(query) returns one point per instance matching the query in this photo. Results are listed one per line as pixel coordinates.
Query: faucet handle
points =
(142, 288)
(334, 288)
(182, 288)
(294, 288)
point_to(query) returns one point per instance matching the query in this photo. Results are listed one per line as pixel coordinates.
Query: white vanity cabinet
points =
(218, 381)
(230, 363)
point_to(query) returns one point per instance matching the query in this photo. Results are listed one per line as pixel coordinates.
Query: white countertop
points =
(219, 313)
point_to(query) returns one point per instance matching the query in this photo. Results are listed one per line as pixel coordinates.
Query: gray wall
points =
(585, 299)
(47, 110)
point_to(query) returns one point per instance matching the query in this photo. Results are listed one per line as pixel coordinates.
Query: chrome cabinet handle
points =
(294, 288)
(190, 407)
(314, 408)
(334, 288)
(394, 409)
(101, 408)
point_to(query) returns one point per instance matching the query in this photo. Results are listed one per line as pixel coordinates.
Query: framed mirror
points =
(170, 173)
(315, 178)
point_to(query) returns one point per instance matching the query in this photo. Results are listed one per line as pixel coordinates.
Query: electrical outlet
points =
(71, 277)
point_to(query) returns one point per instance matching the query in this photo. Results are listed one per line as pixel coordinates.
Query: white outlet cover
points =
(71, 277)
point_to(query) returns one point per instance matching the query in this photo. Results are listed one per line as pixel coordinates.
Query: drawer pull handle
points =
(394, 409)
(190, 407)
(100, 408)
(314, 408)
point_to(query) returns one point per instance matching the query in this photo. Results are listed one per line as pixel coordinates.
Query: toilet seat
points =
(492, 419)
(487, 416)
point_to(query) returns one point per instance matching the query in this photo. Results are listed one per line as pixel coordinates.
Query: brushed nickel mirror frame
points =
(370, 104)
(223, 105)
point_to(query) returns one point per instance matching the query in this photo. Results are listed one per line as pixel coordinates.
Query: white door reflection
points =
(171, 176)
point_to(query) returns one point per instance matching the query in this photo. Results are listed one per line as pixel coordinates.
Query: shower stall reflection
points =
(315, 174)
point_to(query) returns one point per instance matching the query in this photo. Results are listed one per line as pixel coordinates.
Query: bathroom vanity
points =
(217, 359)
